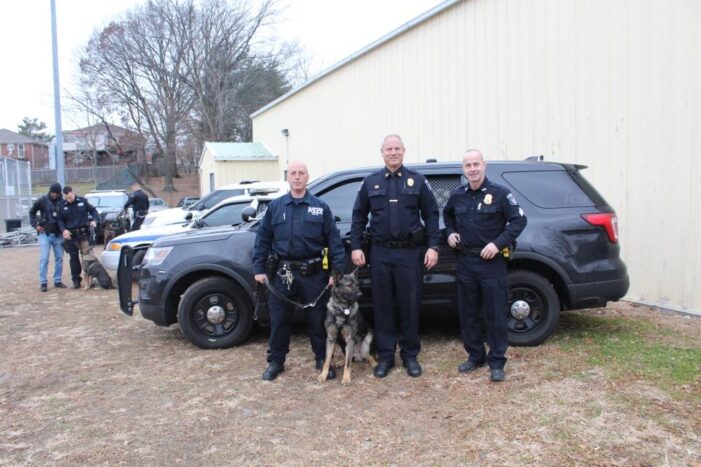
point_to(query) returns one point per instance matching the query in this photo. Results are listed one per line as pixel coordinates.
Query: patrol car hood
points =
(212, 234)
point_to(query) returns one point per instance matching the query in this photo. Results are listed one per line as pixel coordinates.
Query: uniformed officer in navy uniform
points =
(291, 238)
(139, 200)
(74, 223)
(481, 219)
(397, 200)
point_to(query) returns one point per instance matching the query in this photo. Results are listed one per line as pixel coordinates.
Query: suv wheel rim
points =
(215, 315)
(526, 310)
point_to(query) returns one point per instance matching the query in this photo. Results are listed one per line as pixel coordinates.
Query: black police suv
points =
(110, 209)
(566, 258)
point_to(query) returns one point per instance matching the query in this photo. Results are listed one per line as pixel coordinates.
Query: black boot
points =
(273, 371)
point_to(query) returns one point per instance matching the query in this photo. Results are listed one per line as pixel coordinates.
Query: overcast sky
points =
(329, 30)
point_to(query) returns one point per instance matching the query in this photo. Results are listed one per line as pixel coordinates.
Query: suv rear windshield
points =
(555, 189)
(214, 197)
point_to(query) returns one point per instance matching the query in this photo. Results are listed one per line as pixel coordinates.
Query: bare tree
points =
(138, 61)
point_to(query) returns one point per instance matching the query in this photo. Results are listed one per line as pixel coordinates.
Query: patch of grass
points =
(79, 188)
(631, 347)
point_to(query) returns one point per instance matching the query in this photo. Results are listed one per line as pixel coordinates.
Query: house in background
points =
(227, 163)
(102, 145)
(24, 148)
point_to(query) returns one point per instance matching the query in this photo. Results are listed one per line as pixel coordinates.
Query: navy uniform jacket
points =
(75, 215)
(298, 229)
(49, 214)
(415, 201)
(139, 200)
(489, 214)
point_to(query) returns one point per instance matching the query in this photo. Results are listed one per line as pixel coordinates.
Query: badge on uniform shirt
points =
(377, 186)
(410, 182)
(488, 198)
(81, 204)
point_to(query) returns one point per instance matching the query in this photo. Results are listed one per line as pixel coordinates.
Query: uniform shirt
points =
(49, 213)
(415, 202)
(139, 200)
(297, 229)
(75, 215)
(489, 214)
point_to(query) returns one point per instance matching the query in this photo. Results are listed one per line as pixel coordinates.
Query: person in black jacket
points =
(49, 235)
(140, 203)
(74, 223)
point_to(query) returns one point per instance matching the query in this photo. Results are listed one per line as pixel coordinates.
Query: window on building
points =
(20, 151)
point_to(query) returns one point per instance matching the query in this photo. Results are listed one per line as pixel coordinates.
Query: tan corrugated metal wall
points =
(612, 84)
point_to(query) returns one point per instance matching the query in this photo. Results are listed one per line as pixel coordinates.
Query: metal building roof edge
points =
(354, 56)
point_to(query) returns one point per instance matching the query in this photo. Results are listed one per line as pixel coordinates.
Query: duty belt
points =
(397, 244)
(79, 231)
(468, 251)
(304, 266)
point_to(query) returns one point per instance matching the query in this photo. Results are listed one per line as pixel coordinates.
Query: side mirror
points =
(248, 213)
(188, 216)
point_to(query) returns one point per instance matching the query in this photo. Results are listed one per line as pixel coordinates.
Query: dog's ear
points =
(336, 276)
(355, 273)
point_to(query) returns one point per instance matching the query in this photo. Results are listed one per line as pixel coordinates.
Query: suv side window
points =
(341, 198)
(225, 215)
(549, 189)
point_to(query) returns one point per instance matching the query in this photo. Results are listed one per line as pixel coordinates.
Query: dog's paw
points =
(322, 377)
(346, 379)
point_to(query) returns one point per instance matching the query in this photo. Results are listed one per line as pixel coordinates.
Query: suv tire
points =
(533, 308)
(214, 313)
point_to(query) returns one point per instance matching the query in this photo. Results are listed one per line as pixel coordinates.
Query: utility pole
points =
(60, 159)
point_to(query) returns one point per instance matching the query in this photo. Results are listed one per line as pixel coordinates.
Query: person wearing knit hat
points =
(49, 235)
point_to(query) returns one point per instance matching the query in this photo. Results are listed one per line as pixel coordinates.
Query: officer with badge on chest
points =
(481, 220)
(74, 223)
(397, 200)
(290, 241)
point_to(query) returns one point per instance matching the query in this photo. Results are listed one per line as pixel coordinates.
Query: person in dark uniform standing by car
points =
(74, 223)
(397, 199)
(288, 253)
(139, 200)
(481, 220)
(49, 235)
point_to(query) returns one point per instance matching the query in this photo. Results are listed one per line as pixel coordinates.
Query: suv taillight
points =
(607, 220)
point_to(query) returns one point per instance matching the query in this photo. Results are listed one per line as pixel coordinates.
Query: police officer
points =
(49, 235)
(75, 225)
(139, 200)
(481, 219)
(290, 240)
(397, 199)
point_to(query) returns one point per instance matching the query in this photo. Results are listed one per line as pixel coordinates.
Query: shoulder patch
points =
(511, 199)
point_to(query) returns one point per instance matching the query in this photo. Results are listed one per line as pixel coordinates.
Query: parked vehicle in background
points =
(227, 212)
(567, 257)
(157, 204)
(109, 205)
(180, 215)
(187, 201)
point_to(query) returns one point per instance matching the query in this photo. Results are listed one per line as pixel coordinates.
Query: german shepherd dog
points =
(345, 326)
(94, 272)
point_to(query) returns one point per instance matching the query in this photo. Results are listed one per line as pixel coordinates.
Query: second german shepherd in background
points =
(345, 325)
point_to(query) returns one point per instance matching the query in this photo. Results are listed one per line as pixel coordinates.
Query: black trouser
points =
(397, 275)
(73, 247)
(483, 284)
(139, 217)
(304, 290)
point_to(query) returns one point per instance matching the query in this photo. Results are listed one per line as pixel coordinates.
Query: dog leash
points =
(301, 306)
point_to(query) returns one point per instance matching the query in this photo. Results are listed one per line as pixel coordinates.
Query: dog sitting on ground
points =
(94, 272)
(345, 326)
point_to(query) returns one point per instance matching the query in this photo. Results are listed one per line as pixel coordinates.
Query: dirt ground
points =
(81, 383)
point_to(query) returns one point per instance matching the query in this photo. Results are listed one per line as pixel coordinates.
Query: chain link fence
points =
(15, 194)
